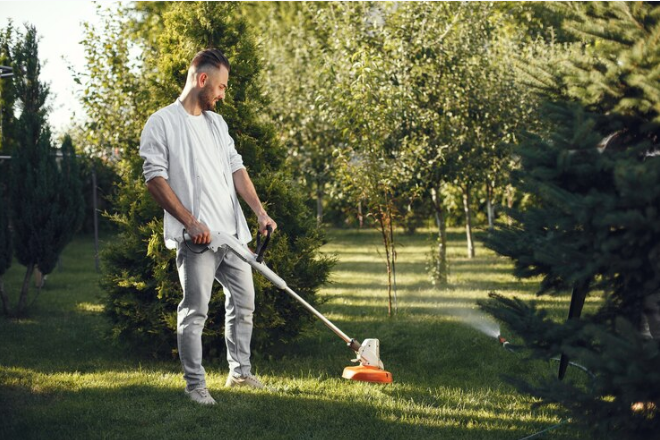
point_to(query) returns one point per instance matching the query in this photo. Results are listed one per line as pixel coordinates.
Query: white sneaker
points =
(201, 396)
(243, 381)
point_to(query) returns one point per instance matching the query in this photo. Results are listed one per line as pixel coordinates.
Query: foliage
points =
(70, 202)
(421, 90)
(441, 106)
(107, 181)
(112, 90)
(594, 225)
(139, 274)
(623, 366)
(462, 104)
(300, 108)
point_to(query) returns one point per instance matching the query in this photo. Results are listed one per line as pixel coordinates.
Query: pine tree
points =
(7, 91)
(595, 221)
(70, 202)
(46, 202)
(33, 174)
(6, 130)
(6, 251)
(139, 273)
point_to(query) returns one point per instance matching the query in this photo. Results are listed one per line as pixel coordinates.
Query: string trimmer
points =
(370, 368)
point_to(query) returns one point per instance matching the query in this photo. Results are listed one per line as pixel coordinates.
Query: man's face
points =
(214, 88)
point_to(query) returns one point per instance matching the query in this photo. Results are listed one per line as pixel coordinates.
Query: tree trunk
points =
(360, 217)
(490, 208)
(96, 219)
(319, 204)
(510, 193)
(578, 295)
(382, 220)
(442, 266)
(22, 301)
(652, 315)
(467, 201)
(39, 278)
(390, 224)
(6, 308)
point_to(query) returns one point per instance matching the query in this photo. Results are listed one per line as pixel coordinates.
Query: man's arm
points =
(245, 188)
(161, 191)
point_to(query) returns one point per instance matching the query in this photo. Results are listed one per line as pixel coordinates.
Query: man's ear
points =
(202, 77)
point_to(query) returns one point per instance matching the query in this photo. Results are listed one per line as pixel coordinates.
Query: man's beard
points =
(207, 100)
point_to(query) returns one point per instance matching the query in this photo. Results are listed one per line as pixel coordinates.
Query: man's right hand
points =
(199, 232)
(161, 191)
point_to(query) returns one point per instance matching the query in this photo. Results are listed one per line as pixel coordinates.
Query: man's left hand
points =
(264, 221)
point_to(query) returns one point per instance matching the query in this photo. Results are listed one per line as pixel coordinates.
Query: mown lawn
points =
(61, 377)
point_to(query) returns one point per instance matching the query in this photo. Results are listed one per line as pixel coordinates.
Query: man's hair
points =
(210, 57)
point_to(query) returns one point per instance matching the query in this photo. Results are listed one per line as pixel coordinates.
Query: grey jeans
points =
(196, 273)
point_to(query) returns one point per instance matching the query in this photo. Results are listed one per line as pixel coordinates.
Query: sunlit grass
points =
(90, 308)
(60, 376)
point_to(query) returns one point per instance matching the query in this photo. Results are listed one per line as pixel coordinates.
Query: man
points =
(194, 173)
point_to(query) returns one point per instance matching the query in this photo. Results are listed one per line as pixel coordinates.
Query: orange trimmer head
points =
(371, 368)
(367, 374)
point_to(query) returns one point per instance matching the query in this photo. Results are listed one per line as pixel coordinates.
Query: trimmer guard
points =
(371, 368)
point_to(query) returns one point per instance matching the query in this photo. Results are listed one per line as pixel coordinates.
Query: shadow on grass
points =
(141, 412)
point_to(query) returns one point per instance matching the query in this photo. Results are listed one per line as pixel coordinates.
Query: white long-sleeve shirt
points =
(171, 149)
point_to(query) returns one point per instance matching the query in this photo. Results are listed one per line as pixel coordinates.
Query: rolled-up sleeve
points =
(235, 159)
(153, 149)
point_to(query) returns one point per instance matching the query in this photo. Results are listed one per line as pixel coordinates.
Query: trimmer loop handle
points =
(261, 247)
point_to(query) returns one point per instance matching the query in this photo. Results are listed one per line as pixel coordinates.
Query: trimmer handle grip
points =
(261, 247)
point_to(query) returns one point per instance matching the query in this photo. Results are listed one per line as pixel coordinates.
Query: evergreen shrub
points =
(140, 276)
(593, 224)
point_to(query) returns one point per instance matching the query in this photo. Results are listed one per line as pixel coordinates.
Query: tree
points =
(70, 197)
(306, 125)
(368, 157)
(6, 252)
(7, 91)
(113, 94)
(139, 273)
(45, 198)
(462, 105)
(6, 128)
(594, 224)
(339, 69)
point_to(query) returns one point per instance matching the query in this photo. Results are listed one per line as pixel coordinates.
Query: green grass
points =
(61, 378)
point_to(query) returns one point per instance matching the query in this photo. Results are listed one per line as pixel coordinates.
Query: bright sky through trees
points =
(59, 23)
